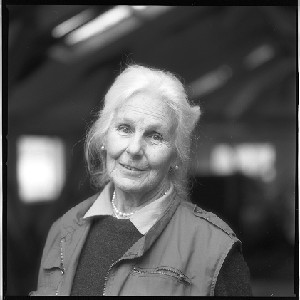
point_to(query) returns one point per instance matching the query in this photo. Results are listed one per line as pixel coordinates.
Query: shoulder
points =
(65, 224)
(72, 216)
(205, 219)
(78, 211)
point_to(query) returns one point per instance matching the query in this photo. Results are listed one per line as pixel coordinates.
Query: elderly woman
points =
(140, 235)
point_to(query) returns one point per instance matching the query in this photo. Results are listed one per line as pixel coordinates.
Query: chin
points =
(129, 185)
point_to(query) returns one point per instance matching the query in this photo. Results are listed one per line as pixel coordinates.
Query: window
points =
(255, 160)
(40, 168)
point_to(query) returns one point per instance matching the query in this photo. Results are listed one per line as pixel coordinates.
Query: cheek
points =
(162, 158)
(114, 145)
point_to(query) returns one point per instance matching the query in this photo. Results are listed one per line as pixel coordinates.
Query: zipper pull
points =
(62, 269)
(61, 266)
(62, 250)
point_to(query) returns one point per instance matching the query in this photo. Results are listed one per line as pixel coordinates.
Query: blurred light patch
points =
(99, 24)
(40, 168)
(257, 160)
(259, 56)
(211, 81)
(72, 23)
(139, 7)
(95, 34)
(222, 160)
(254, 160)
(149, 11)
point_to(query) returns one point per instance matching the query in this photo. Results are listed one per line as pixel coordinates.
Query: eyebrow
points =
(151, 126)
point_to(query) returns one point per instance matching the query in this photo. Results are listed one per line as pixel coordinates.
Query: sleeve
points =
(234, 276)
(51, 237)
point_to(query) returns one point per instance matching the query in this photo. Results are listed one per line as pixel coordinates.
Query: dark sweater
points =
(109, 238)
(234, 276)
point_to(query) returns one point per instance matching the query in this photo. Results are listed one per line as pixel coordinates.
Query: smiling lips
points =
(131, 168)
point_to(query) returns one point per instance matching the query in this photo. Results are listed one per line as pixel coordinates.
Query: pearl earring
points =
(102, 147)
(175, 168)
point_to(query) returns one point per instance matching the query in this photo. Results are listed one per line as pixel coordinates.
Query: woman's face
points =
(140, 144)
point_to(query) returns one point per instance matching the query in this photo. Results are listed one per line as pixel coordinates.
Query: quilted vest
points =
(181, 254)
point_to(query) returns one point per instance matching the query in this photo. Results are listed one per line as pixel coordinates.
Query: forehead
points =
(147, 109)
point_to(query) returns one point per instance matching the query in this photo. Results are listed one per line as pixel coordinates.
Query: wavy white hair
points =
(140, 79)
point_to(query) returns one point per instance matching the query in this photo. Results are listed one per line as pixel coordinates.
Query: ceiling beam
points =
(260, 81)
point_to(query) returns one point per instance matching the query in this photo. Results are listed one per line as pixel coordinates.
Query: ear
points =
(174, 159)
(174, 162)
(104, 143)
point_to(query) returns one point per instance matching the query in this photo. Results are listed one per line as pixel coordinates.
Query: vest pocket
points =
(164, 271)
(159, 281)
(52, 277)
(43, 291)
(52, 270)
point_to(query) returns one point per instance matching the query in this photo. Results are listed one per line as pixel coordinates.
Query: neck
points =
(131, 201)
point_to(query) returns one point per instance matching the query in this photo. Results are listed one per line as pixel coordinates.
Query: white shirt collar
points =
(143, 219)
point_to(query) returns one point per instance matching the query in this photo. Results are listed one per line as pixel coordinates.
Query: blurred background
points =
(239, 64)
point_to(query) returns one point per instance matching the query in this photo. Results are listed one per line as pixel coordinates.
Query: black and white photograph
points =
(150, 150)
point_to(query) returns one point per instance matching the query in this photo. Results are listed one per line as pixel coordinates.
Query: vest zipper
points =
(164, 271)
(106, 277)
(62, 268)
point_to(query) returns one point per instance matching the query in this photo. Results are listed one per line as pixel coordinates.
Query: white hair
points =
(135, 79)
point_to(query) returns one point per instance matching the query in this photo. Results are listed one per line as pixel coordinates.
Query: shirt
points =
(143, 219)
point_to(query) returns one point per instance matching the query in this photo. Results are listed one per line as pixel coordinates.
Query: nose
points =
(135, 145)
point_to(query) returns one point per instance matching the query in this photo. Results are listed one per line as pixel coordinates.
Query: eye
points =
(157, 137)
(124, 128)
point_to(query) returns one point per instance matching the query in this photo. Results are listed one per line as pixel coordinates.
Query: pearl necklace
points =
(120, 214)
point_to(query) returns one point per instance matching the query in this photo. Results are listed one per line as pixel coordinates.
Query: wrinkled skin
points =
(140, 150)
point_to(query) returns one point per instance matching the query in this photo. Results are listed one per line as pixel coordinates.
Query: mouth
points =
(131, 168)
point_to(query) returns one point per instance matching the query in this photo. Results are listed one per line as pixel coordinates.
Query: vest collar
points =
(73, 219)
(145, 242)
(143, 219)
(73, 223)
